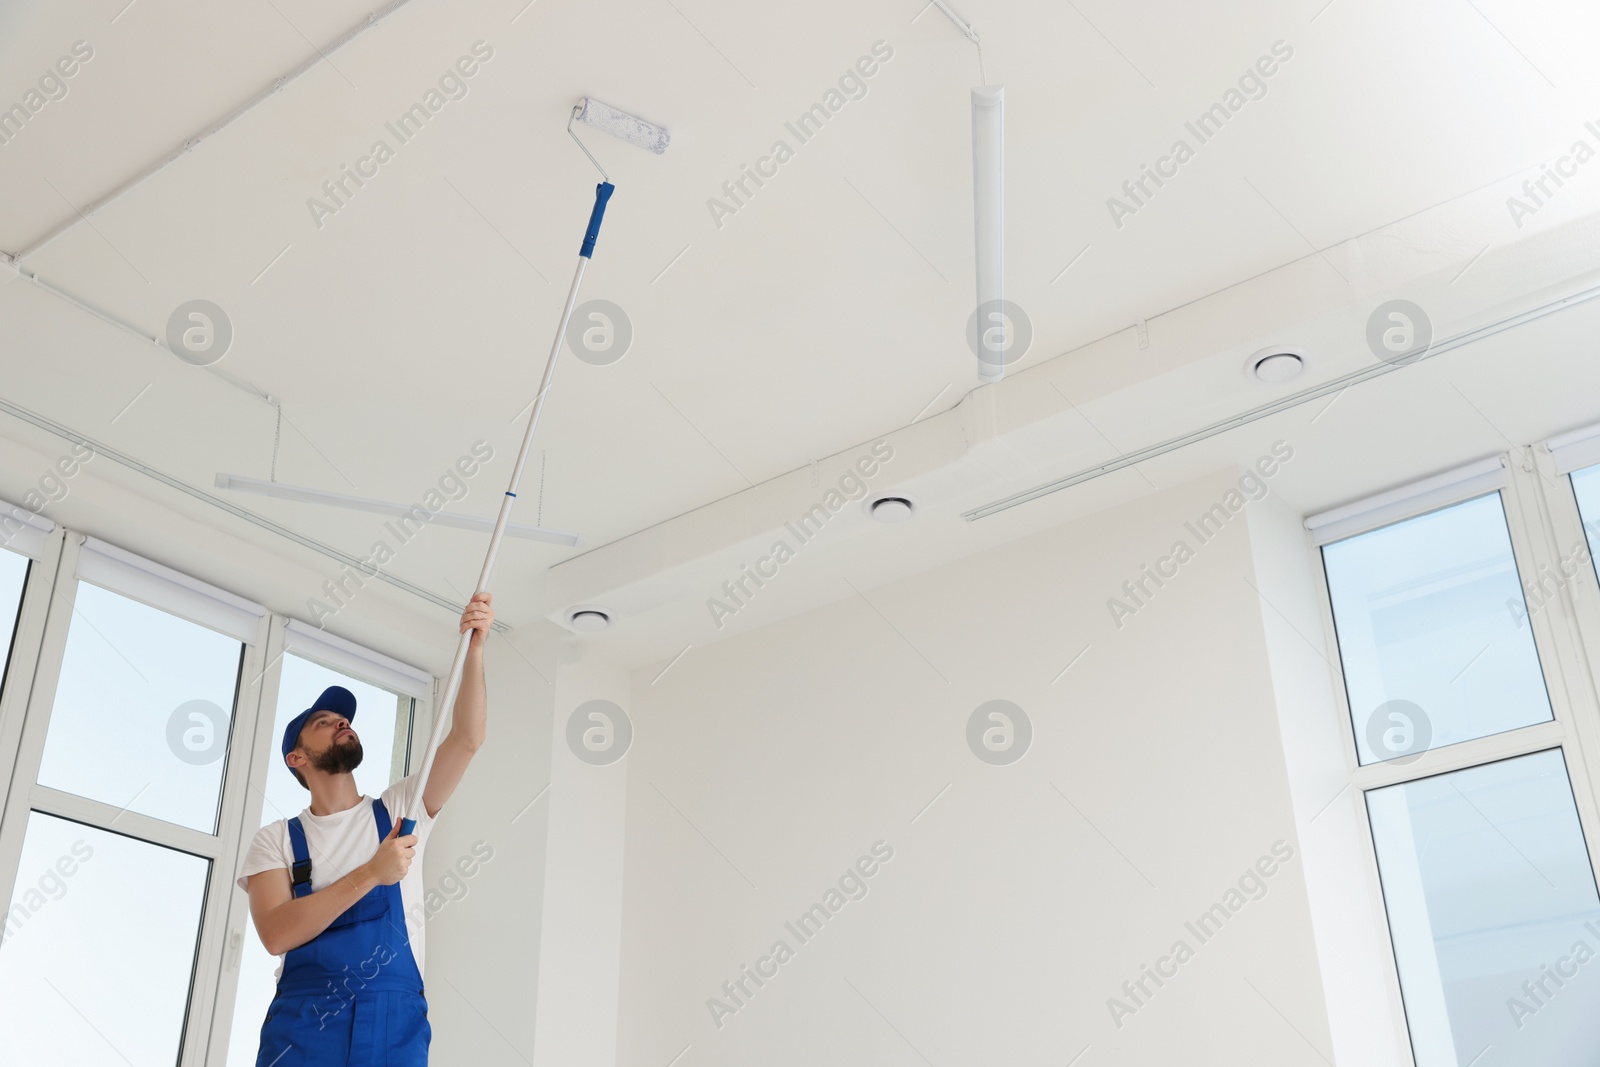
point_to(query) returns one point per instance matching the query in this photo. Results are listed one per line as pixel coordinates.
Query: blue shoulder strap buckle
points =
(300, 870)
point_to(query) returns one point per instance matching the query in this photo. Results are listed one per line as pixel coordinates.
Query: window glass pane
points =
(1433, 633)
(1493, 913)
(377, 716)
(382, 721)
(99, 948)
(13, 573)
(143, 710)
(1586, 487)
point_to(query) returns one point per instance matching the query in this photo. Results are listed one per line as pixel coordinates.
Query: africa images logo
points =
(1252, 85)
(338, 191)
(851, 885)
(852, 85)
(805, 528)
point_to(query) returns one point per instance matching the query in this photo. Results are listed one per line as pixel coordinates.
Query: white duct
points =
(988, 196)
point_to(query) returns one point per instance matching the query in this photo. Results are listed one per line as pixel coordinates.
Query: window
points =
(122, 773)
(1470, 768)
(1494, 914)
(383, 722)
(99, 947)
(143, 711)
(120, 779)
(1431, 654)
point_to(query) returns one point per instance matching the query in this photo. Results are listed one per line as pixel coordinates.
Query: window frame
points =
(1567, 643)
(16, 685)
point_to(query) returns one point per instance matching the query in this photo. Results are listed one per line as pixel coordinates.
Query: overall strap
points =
(380, 814)
(300, 873)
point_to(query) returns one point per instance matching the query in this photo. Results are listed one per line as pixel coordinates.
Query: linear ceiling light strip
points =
(1294, 400)
(342, 558)
(988, 240)
(307, 495)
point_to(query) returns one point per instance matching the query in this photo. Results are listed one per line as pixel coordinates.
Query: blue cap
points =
(335, 698)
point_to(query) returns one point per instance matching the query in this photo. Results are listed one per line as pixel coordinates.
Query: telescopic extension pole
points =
(444, 712)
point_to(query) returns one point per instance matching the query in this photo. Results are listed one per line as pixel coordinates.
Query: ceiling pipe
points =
(992, 332)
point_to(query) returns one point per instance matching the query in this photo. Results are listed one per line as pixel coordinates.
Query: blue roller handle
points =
(407, 826)
(602, 193)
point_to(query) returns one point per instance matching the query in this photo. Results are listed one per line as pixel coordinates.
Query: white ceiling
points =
(828, 311)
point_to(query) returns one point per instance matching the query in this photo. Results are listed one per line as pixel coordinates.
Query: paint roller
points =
(652, 138)
(621, 125)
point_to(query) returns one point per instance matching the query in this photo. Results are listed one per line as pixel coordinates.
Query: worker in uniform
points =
(330, 889)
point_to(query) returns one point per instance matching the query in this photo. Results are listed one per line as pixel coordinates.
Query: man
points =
(328, 888)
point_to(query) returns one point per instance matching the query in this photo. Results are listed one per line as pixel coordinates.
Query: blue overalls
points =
(352, 995)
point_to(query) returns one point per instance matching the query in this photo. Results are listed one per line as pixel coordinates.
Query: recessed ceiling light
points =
(589, 620)
(891, 509)
(1274, 366)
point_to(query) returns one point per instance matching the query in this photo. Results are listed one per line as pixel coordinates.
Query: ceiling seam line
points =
(73, 300)
(372, 19)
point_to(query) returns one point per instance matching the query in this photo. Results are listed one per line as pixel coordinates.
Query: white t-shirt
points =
(341, 842)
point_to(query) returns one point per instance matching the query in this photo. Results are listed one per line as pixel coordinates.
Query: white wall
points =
(1352, 931)
(581, 940)
(764, 766)
(484, 945)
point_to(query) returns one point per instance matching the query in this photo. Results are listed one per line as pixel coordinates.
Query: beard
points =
(341, 757)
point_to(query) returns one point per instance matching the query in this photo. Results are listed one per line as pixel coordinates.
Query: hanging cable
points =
(968, 32)
(277, 434)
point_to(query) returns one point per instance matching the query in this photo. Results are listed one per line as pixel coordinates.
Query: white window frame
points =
(29, 532)
(59, 558)
(20, 671)
(1566, 639)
